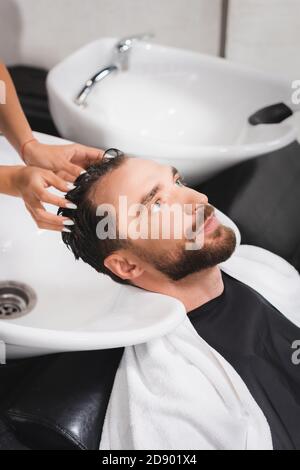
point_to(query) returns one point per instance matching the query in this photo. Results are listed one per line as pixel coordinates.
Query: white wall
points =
(266, 35)
(42, 32)
(262, 33)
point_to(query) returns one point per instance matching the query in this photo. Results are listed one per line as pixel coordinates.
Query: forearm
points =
(13, 122)
(7, 180)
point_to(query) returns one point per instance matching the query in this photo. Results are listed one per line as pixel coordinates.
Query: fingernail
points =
(68, 222)
(70, 205)
(71, 186)
(66, 230)
(83, 172)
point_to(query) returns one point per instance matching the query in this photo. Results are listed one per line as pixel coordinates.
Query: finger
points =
(55, 228)
(58, 182)
(33, 207)
(94, 152)
(81, 160)
(90, 153)
(49, 198)
(72, 169)
(66, 176)
(86, 156)
(44, 218)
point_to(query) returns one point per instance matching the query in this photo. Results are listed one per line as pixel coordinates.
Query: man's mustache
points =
(203, 213)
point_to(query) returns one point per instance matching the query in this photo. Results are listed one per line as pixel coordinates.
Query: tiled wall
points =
(265, 34)
(261, 33)
(42, 32)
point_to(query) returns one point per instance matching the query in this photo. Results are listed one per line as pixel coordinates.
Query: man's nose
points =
(193, 204)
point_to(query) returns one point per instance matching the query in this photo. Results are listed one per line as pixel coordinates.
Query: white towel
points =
(178, 393)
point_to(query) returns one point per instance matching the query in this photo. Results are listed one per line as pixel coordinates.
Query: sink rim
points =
(289, 129)
(79, 340)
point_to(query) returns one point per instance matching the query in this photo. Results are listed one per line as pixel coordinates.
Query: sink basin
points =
(73, 308)
(170, 105)
(76, 308)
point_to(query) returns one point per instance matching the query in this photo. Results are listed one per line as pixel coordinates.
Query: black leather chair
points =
(56, 402)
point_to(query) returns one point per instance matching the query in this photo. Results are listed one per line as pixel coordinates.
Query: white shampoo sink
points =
(76, 308)
(171, 105)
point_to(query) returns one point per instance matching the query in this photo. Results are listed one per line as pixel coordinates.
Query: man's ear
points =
(123, 266)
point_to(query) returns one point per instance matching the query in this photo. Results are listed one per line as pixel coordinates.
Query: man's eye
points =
(156, 206)
(180, 181)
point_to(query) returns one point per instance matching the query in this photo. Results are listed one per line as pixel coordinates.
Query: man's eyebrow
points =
(151, 194)
(174, 171)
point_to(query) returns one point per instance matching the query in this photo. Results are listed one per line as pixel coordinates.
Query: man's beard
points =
(181, 262)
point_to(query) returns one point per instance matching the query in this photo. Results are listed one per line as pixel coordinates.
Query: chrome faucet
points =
(123, 47)
(120, 59)
(81, 98)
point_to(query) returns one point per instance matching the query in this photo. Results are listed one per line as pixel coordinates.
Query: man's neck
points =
(193, 291)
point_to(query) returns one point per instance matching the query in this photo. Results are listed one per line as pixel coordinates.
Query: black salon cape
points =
(256, 339)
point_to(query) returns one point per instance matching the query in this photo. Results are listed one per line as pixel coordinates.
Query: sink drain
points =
(16, 300)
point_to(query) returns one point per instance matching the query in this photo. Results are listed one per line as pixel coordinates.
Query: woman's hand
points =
(31, 184)
(67, 160)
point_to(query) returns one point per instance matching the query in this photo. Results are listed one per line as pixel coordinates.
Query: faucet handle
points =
(126, 43)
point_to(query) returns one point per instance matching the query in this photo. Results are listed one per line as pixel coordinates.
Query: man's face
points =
(158, 237)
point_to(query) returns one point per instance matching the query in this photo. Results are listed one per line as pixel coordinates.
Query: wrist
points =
(24, 148)
(15, 179)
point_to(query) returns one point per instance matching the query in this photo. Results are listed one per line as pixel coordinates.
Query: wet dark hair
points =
(83, 240)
